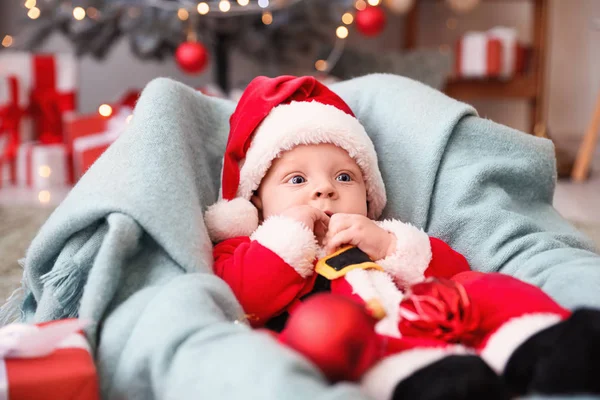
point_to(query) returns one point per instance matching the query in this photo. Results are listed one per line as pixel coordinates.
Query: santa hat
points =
(275, 115)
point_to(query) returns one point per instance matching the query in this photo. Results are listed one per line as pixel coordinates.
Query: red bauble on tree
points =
(370, 21)
(192, 57)
(336, 334)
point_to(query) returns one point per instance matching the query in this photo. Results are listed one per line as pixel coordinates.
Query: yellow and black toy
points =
(344, 260)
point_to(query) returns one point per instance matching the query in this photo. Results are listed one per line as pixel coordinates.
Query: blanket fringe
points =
(66, 283)
(11, 310)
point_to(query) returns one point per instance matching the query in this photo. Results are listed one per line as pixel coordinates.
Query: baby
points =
(300, 180)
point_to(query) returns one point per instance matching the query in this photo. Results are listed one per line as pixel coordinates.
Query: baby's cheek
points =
(276, 204)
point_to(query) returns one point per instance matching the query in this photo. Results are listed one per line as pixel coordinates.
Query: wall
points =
(572, 73)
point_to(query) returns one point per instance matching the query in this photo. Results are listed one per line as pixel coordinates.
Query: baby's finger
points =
(338, 223)
(318, 215)
(340, 239)
(320, 231)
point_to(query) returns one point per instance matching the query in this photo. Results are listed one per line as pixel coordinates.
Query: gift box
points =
(88, 145)
(495, 53)
(48, 87)
(49, 361)
(82, 125)
(478, 56)
(42, 166)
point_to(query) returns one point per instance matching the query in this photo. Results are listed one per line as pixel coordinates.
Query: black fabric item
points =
(351, 256)
(563, 359)
(521, 366)
(322, 285)
(276, 324)
(453, 378)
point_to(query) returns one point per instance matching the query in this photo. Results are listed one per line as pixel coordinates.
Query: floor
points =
(580, 202)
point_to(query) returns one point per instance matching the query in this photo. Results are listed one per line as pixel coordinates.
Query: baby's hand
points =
(359, 231)
(315, 219)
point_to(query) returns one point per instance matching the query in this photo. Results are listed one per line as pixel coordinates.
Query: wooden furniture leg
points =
(588, 146)
(538, 103)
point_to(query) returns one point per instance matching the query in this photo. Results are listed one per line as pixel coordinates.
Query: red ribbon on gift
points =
(48, 104)
(28, 166)
(439, 309)
(11, 115)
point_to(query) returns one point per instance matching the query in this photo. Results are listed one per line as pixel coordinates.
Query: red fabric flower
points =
(439, 309)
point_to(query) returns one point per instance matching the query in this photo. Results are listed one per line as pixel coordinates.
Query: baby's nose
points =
(324, 191)
(325, 194)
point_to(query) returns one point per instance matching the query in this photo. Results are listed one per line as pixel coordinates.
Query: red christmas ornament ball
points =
(335, 333)
(370, 21)
(192, 57)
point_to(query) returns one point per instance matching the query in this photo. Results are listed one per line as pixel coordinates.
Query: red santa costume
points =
(270, 265)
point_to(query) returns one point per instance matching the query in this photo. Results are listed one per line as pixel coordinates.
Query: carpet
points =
(18, 226)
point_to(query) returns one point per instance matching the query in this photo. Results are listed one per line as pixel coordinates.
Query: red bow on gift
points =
(439, 309)
(45, 108)
(47, 103)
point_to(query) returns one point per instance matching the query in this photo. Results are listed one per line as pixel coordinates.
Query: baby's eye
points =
(297, 180)
(343, 178)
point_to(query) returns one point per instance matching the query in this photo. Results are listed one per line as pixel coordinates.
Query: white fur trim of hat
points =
(288, 126)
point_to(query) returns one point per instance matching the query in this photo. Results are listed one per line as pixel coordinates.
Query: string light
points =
(30, 3)
(360, 5)
(34, 13)
(203, 8)
(243, 3)
(444, 48)
(78, 13)
(44, 171)
(267, 18)
(224, 5)
(134, 12)
(321, 65)
(347, 18)
(451, 23)
(44, 196)
(183, 14)
(7, 41)
(92, 12)
(263, 3)
(374, 2)
(105, 110)
(341, 32)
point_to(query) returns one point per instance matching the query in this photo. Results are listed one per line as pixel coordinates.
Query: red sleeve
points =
(445, 262)
(264, 284)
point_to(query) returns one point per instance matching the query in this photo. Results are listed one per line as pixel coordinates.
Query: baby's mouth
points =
(328, 213)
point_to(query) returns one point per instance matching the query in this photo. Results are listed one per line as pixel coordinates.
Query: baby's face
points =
(319, 175)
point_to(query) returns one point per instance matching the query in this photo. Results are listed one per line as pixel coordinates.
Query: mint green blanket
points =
(128, 248)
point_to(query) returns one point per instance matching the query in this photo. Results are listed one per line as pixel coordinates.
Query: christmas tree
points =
(271, 31)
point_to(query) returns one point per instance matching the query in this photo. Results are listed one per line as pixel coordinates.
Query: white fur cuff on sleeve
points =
(413, 252)
(291, 240)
